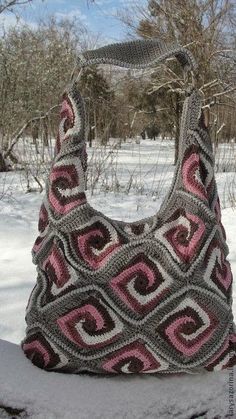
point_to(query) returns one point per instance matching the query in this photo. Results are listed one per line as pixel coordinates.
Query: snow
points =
(53, 395)
(49, 395)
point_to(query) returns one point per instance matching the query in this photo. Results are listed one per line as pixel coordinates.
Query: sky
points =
(98, 17)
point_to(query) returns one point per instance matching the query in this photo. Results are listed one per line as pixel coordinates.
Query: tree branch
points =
(6, 5)
(24, 127)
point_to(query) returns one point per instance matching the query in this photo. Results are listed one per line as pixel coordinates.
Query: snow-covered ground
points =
(50, 395)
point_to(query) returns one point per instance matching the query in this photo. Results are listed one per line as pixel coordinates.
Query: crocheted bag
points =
(131, 297)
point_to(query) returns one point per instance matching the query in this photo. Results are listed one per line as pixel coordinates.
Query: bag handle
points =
(139, 53)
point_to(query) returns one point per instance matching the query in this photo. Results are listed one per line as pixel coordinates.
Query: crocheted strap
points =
(140, 53)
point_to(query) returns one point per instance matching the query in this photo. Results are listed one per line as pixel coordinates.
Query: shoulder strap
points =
(139, 53)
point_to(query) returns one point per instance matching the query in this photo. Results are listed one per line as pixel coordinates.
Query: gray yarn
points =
(138, 54)
(123, 297)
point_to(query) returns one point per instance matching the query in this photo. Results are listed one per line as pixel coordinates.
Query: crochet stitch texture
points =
(153, 296)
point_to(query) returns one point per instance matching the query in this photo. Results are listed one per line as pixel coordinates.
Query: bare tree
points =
(35, 68)
(9, 5)
(206, 27)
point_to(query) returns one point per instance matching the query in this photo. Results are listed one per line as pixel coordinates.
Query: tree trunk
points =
(3, 164)
(177, 125)
(90, 136)
(45, 132)
(95, 124)
(132, 124)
